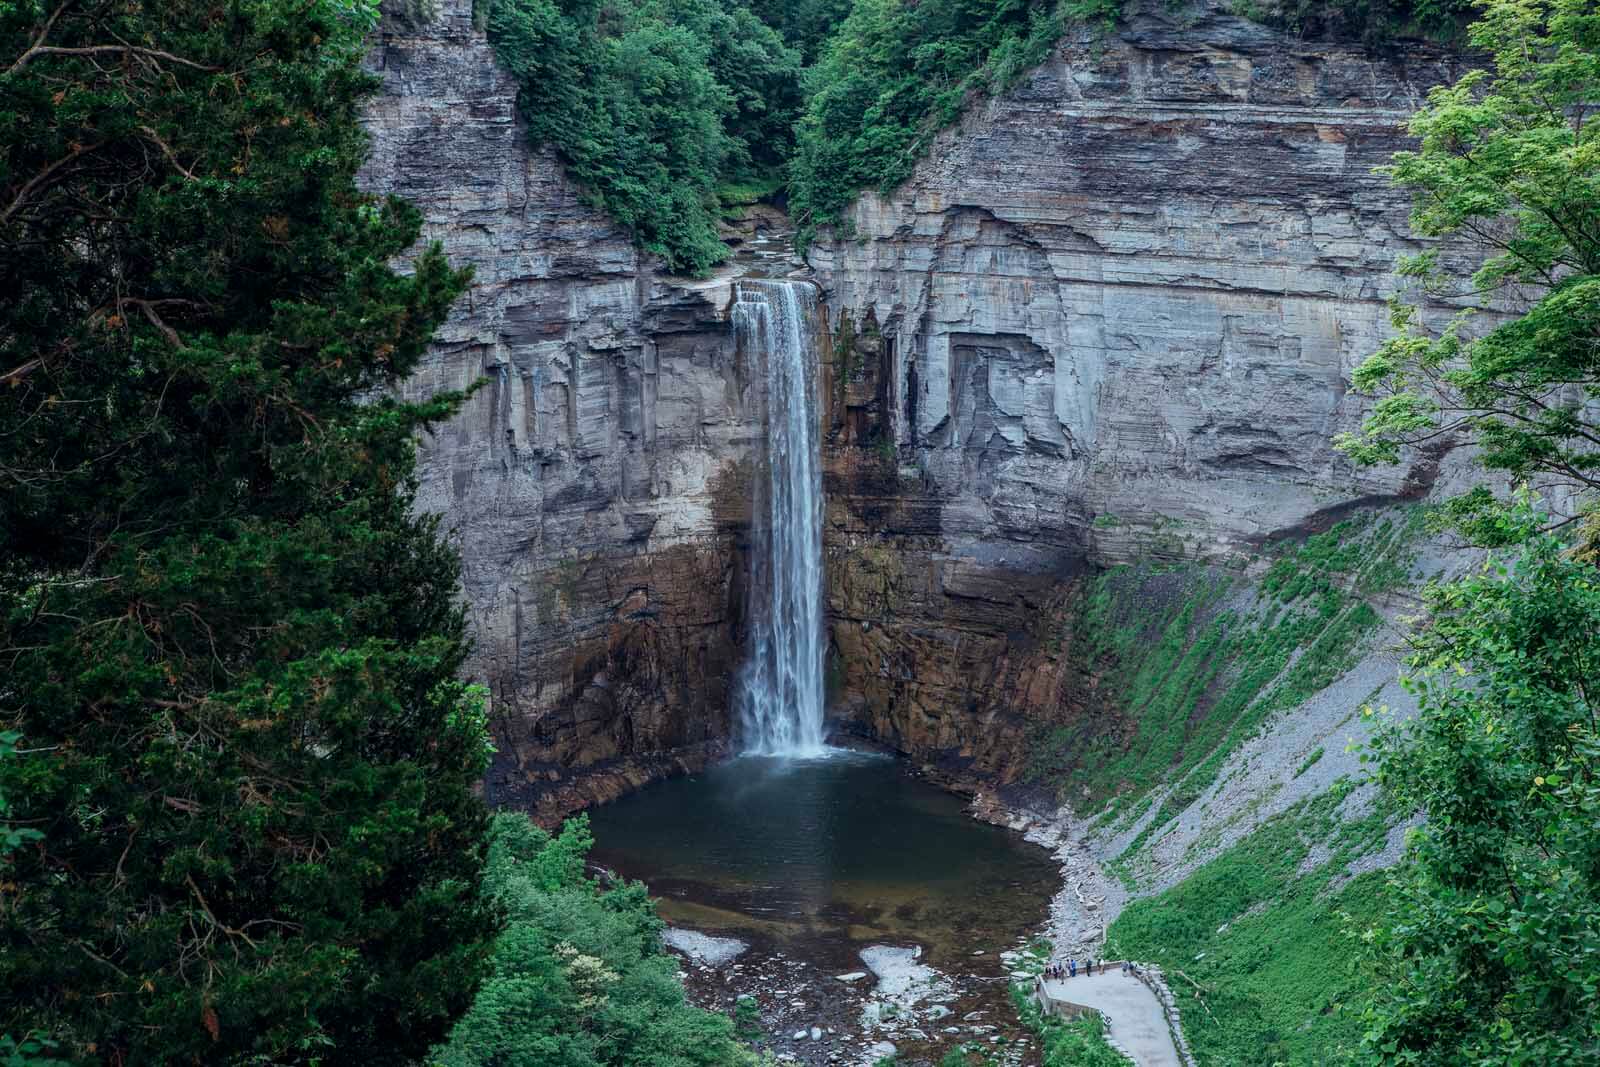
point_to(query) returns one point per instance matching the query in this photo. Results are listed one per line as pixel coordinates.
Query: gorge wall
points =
(598, 483)
(1110, 318)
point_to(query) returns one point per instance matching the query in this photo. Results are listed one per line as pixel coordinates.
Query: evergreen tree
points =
(228, 645)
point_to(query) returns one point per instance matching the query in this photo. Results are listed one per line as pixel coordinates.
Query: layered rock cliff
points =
(1111, 317)
(597, 483)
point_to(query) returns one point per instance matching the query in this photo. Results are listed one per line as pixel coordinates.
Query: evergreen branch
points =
(44, 32)
(105, 49)
(149, 309)
(166, 149)
(16, 374)
(44, 176)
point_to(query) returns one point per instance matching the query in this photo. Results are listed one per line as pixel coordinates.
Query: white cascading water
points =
(780, 686)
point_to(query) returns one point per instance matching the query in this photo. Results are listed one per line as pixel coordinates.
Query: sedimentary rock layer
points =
(1111, 316)
(597, 483)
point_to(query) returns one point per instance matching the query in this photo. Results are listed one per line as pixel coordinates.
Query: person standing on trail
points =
(1089, 966)
(1072, 968)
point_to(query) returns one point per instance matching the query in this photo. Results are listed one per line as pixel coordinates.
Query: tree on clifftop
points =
(243, 779)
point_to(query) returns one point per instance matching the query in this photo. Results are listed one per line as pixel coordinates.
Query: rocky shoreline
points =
(849, 1004)
(893, 1004)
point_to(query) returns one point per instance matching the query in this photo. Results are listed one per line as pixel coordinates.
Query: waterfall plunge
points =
(780, 686)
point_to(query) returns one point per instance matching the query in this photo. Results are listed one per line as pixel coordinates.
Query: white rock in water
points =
(882, 1049)
(816, 1033)
(899, 972)
(853, 976)
(799, 1035)
(713, 951)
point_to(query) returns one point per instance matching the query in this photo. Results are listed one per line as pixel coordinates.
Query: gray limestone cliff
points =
(1111, 317)
(597, 484)
(1127, 295)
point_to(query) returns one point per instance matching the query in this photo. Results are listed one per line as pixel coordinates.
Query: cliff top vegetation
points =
(665, 111)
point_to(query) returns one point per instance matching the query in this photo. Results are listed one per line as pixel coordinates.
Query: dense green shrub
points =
(895, 74)
(806, 24)
(1488, 954)
(579, 978)
(652, 105)
(1379, 24)
(1062, 1042)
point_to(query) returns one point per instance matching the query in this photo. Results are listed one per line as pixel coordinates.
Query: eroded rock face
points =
(1112, 316)
(598, 484)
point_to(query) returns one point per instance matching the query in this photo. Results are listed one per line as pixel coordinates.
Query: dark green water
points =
(842, 851)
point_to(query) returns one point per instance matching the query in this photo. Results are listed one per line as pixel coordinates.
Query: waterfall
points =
(780, 687)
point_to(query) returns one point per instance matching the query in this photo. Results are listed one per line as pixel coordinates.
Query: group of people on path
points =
(1069, 969)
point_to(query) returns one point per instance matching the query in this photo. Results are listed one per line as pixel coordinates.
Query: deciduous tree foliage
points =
(897, 72)
(1510, 157)
(229, 648)
(1491, 954)
(579, 978)
(1491, 950)
(805, 24)
(653, 104)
